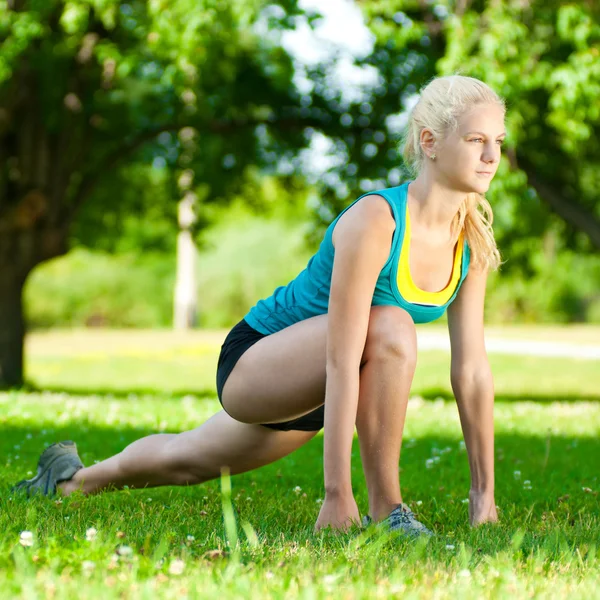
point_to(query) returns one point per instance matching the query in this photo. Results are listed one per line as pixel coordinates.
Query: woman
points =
(336, 347)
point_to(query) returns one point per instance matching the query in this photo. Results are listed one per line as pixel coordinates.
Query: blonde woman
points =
(336, 347)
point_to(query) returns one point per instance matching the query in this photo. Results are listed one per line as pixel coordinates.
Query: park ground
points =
(104, 389)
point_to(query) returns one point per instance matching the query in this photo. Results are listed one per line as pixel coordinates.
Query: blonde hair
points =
(440, 105)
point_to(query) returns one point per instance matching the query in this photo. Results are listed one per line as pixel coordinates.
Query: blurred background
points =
(167, 163)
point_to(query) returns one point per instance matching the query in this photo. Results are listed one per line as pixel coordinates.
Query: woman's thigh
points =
(281, 377)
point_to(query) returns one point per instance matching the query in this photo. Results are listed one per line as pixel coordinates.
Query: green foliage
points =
(563, 287)
(138, 213)
(96, 289)
(543, 57)
(203, 87)
(246, 258)
(243, 259)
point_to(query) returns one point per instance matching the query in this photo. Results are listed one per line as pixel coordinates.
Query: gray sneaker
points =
(402, 519)
(58, 462)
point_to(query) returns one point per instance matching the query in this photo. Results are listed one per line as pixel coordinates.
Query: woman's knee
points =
(391, 336)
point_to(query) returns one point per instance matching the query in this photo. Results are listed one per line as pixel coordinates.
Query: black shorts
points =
(239, 339)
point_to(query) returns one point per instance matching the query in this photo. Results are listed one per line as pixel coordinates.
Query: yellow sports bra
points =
(406, 286)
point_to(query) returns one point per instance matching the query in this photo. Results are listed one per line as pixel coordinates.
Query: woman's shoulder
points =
(373, 212)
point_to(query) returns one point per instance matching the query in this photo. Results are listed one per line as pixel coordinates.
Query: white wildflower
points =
(87, 566)
(124, 550)
(90, 534)
(449, 546)
(429, 463)
(319, 500)
(419, 502)
(26, 538)
(190, 538)
(297, 489)
(465, 501)
(517, 474)
(176, 567)
(464, 573)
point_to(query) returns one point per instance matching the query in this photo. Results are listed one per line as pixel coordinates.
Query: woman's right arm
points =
(362, 239)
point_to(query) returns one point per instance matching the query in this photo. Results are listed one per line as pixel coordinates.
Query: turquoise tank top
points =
(308, 294)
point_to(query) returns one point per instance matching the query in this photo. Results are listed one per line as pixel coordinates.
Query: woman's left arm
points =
(473, 387)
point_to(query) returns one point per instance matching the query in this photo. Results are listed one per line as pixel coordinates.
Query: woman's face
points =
(468, 158)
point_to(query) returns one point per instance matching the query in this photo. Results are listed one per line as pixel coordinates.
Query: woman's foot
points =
(59, 462)
(402, 519)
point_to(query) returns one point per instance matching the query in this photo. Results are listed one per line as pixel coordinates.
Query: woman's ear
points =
(427, 140)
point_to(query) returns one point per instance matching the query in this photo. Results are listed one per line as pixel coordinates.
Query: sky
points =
(342, 26)
(342, 29)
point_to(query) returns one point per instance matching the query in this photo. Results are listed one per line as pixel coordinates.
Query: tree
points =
(88, 85)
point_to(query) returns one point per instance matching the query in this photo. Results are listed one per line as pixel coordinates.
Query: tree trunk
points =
(20, 251)
(185, 301)
(12, 327)
(185, 305)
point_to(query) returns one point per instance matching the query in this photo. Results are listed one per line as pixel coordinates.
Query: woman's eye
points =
(477, 140)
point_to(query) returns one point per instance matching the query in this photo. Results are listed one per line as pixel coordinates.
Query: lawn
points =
(106, 390)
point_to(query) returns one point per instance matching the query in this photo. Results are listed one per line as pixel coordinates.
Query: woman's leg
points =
(387, 371)
(191, 457)
(283, 376)
(279, 378)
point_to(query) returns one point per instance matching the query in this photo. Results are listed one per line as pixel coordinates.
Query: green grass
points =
(547, 544)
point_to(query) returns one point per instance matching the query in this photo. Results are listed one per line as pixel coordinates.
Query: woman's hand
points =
(338, 512)
(482, 508)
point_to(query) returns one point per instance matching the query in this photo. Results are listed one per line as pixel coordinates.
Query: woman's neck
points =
(432, 206)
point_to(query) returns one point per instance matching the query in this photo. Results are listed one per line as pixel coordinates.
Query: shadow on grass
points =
(435, 393)
(426, 393)
(116, 393)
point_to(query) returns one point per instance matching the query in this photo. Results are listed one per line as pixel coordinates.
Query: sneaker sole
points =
(44, 469)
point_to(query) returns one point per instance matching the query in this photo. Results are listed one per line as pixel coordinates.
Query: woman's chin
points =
(479, 186)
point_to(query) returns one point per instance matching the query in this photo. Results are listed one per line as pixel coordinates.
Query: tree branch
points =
(568, 209)
(112, 160)
(109, 162)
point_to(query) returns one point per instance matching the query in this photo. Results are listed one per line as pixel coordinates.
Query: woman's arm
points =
(362, 239)
(473, 387)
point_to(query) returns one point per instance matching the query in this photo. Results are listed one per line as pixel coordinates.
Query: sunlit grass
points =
(172, 542)
(179, 363)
